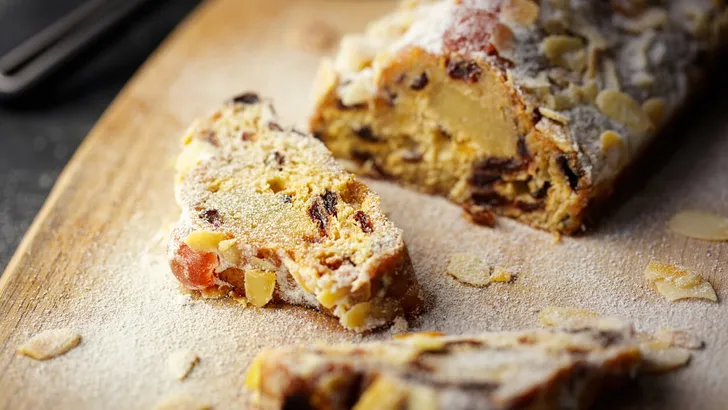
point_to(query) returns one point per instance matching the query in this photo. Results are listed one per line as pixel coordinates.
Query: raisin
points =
(411, 156)
(317, 213)
(468, 71)
(480, 215)
(211, 137)
(497, 164)
(528, 206)
(366, 134)
(571, 176)
(274, 126)
(212, 216)
(246, 136)
(329, 199)
(247, 98)
(364, 222)
(488, 198)
(319, 136)
(521, 147)
(420, 82)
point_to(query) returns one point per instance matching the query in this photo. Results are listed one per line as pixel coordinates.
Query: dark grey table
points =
(38, 137)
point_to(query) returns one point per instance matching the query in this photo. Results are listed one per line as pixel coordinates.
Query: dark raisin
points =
(420, 82)
(364, 222)
(496, 164)
(483, 179)
(247, 98)
(212, 216)
(480, 215)
(571, 176)
(521, 147)
(297, 401)
(246, 136)
(317, 213)
(411, 156)
(468, 71)
(366, 134)
(364, 157)
(443, 132)
(361, 156)
(319, 136)
(528, 206)
(329, 198)
(488, 198)
(274, 126)
(280, 159)
(541, 192)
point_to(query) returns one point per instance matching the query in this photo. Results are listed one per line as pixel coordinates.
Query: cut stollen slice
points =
(269, 215)
(541, 368)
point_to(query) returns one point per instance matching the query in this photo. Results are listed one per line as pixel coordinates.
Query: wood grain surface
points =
(94, 259)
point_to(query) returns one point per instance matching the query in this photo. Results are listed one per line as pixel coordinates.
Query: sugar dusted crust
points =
(269, 215)
(527, 109)
(533, 369)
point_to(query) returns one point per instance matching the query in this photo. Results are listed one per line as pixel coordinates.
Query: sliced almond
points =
(566, 317)
(557, 49)
(468, 269)
(650, 19)
(182, 401)
(523, 12)
(229, 251)
(660, 357)
(679, 338)
(181, 362)
(676, 282)
(623, 109)
(643, 79)
(611, 140)
(655, 109)
(700, 225)
(611, 79)
(204, 241)
(554, 115)
(50, 343)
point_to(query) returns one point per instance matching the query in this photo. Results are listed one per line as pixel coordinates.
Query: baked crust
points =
(533, 369)
(528, 109)
(269, 215)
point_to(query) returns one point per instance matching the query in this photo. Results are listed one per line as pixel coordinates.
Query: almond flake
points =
(676, 282)
(700, 225)
(558, 48)
(50, 343)
(566, 317)
(623, 109)
(468, 269)
(611, 79)
(182, 401)
(554, 115)
(610, 140)
(181, 362)
(650, 19)
(679, 338)
(655, 109)
(523, 12)
(660, 357)
(643, 79)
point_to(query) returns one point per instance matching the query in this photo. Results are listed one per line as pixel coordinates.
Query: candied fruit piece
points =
(195, 270)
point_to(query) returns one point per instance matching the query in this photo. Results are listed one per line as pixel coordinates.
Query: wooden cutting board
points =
(94, 259)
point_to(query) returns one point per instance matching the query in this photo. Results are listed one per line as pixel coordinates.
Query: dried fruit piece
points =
(259, 286)
(523, 12)
(364, 222)
(660, 357)
(676, 282)
(182, 401)
(623, 109)
(468, 71)
(566, 317)
(181, 362)
(700, 225)
(678, 338)
(468, 269)
(50, 343)
(204, 241)
(383, 394)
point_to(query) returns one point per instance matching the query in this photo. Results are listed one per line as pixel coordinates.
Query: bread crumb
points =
(50, 343)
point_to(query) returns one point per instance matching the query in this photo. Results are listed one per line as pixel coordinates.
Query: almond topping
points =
(610, 140)
(468, 269)
(204, 241)
(655, 109)
(181, 362)
(660, 357)
(652, 18)
(554, 115)
(259, 286)
(675, 282)
(566, 317)
(523, 12)
(679, 338)
(700, 225)
(560, 49)
(50, 343)
(623, 109)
